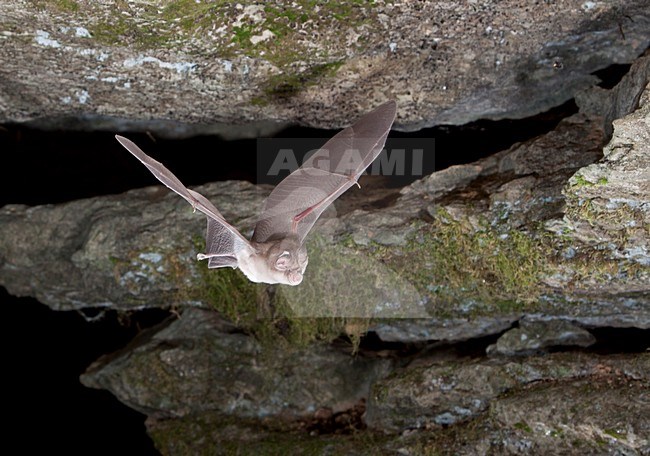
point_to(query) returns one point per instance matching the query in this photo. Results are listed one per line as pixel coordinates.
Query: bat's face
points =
(288, 259)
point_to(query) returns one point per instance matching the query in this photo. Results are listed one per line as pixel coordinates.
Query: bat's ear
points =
(283, 262)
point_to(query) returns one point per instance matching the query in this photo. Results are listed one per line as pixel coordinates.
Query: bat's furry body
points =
(288, 256)
(276, 253)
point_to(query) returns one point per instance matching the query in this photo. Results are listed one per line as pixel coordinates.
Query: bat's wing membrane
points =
(297, 202)
(223, 241)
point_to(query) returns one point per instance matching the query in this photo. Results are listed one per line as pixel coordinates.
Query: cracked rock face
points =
(442, 395)
(134, 249)
(180, 68)
(535, 336)
(608, 200)
(198, 363)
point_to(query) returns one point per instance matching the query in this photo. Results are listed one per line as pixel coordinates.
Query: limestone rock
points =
(609, 201)
(445, 330)
(128, 251)
(550, 230)
(545, 418)
(143, 65)
(537, 336)
(441, 395)
(200, 364)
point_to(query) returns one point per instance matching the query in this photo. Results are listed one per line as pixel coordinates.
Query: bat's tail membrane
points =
(221, 246)
(218, 261)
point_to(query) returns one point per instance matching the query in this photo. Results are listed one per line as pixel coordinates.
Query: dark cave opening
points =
(49, 167)
(609, 340)
(44, 353)
(612, 75)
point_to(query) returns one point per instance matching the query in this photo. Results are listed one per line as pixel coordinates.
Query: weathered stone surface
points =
(199, 364)
(526, 185)
(129, 251)
(139, 65)
(608, 202)
(532, 337)
(587, 405)
(448, 330)
(627, 311)
(583, 417)
(450, 393)
(590, 261)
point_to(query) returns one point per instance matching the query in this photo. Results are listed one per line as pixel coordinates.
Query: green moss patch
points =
(264, 311)
(305, 40)
(62, 5)
(452, 262)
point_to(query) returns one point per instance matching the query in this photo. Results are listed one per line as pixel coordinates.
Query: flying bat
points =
(276, 253)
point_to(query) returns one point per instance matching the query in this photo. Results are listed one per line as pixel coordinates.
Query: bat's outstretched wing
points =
(223, 241)
(297, 202)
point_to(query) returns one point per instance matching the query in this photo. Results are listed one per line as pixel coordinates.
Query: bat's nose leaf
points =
(294, 277)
